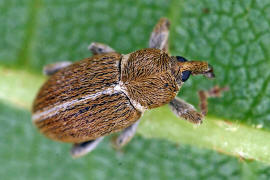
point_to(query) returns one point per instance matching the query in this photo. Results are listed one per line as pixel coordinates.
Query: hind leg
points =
(53, 68)
(95, 48)
(81, 149)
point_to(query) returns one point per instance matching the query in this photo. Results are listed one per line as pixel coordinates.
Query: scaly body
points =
(103, 94)
(82, 102)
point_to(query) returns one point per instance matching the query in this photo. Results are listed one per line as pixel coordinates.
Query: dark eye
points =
(181, 59)
(100, 50)
(185, 75)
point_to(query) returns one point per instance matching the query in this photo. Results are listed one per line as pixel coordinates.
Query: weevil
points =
(84, 101)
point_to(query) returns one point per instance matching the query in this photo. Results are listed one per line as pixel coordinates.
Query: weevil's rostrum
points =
(108, 92)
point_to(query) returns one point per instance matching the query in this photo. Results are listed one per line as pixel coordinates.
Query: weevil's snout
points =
(194, 68)
(210, 72)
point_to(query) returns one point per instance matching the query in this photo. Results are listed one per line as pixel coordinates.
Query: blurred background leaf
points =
(232, 35)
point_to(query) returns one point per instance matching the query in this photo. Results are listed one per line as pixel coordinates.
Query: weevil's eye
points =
(181, 59)
(185, 75)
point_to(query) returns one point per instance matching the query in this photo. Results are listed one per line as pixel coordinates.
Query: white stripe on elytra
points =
(41, 115)
(49, 112)
(121, 87)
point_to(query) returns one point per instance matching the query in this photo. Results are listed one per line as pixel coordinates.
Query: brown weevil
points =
(82, 102)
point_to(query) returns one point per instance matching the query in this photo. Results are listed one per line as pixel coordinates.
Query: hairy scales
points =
(51, 111)
(90, 119)
(80, 102)
(146, 75)
(103, 94)
(88, 76)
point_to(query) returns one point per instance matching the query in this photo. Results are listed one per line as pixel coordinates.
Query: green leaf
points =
(26, 154)
(19, 87)
(232, 35)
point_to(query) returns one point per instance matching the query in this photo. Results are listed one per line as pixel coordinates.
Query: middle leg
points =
(126, 135)
(82, 149)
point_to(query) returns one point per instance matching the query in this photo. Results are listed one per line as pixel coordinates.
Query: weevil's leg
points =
(126, 135)
(82, 149)
(216, 91)
(160, 35)
(186, 111)
(53, 68)
(99, 48)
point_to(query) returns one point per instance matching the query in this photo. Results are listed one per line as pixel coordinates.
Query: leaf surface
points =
(232, 35)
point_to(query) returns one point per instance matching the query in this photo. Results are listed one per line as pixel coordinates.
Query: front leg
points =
(188, 112)
(160, 35)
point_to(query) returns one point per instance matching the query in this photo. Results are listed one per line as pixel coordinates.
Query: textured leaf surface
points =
(232, 35)
(28, 155)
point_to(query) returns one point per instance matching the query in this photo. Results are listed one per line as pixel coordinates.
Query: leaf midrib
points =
(243, 141)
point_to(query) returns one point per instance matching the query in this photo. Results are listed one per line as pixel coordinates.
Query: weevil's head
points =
(182, 68)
